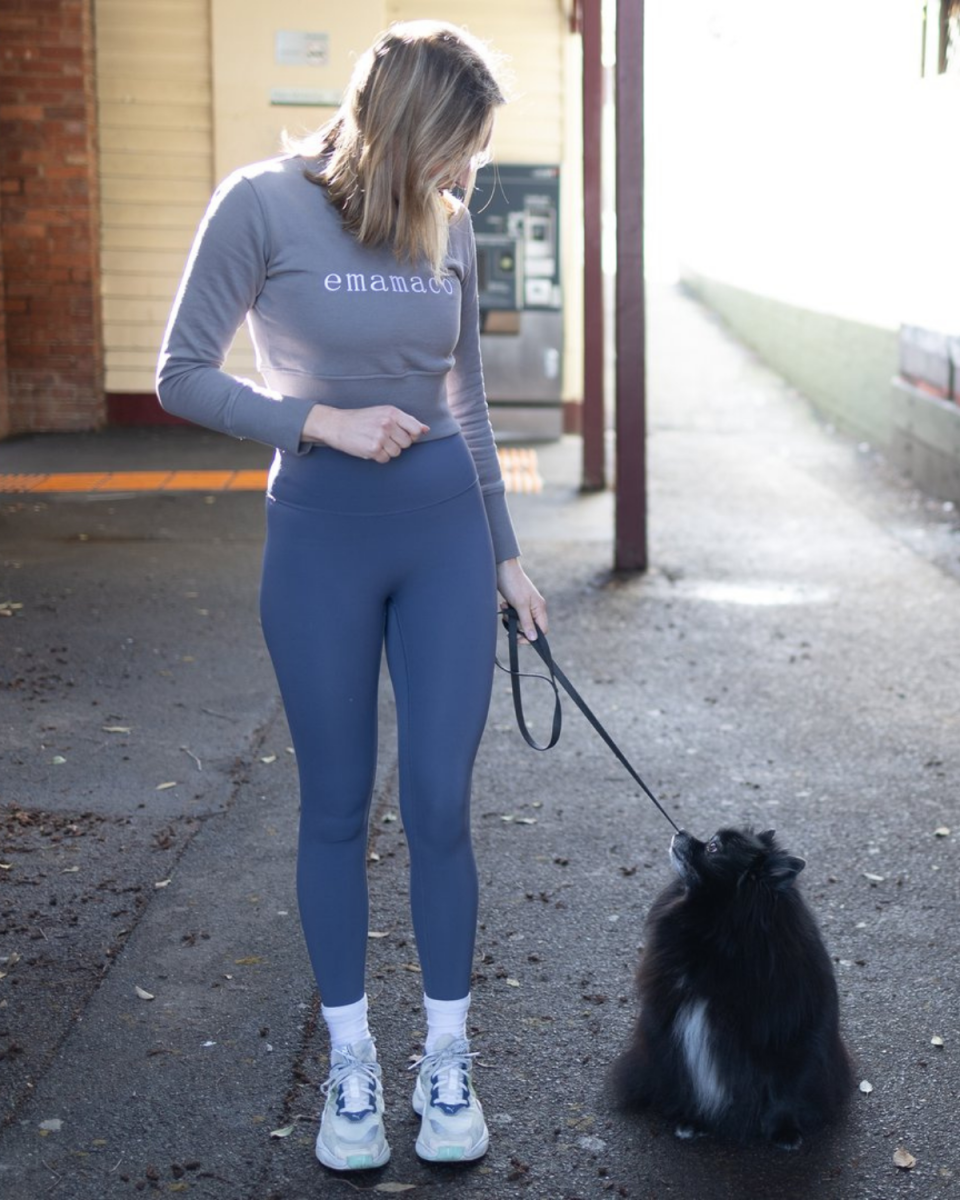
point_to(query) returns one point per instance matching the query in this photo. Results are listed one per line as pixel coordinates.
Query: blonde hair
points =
(417, 114)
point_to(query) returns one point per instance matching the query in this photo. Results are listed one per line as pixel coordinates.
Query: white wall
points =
(795, 151)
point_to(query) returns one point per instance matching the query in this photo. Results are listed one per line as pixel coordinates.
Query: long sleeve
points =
(467, 400)
(224, 274)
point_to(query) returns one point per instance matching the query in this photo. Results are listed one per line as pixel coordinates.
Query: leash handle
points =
(542, 647)
(511, 621)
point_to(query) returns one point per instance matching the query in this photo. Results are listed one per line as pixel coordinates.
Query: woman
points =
(355, 268)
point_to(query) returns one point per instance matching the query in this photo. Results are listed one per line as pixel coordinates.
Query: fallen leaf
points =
(162, 787)
(12, 959)
(69, 870)
(943, 831)
(394, 1188)
(282, 1133)
(374, 933)
(144, 995)
(54, 1125)
(389, 817)
(873, 878)
(903, 1158)
(205, 1044)
(250, 961)
(269, 758)
(6, 866)
(866, 1086)
(937, 1041)
(116, 728)
(513, 983)
(58, 760)
(161, 883)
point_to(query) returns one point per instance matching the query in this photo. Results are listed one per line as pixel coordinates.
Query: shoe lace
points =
(356, 1084)
(449, 1073)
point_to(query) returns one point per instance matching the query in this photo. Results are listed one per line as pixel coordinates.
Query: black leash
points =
(542, 646)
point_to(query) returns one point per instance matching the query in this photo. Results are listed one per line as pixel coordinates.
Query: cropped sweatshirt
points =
(332, 322)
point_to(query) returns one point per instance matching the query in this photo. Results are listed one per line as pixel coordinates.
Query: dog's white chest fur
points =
(692, 1031)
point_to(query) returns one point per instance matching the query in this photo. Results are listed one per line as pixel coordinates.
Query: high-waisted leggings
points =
(361, 554)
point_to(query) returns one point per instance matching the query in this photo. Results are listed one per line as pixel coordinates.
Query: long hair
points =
(416, 118)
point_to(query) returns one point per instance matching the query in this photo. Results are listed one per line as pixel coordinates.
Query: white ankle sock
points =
(445, 1016)
(347, 1023)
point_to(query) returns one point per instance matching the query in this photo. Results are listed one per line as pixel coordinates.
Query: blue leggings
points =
(359, 554)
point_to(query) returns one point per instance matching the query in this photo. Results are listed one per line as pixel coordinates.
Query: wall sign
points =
(297, 48)
(306, 97)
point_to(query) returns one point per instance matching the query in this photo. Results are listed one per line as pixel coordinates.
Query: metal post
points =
(630, 535)
(594, 465)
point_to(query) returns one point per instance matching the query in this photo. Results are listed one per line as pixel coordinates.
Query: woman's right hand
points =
(381, 432)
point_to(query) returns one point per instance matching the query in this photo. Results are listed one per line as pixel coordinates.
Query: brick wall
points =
(49, 217)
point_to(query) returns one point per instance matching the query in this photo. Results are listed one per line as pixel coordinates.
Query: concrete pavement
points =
(790, 659)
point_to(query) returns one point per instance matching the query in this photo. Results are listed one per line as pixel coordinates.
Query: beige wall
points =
(532, 34)
(185, 97)
(156, 168)
(247, 124)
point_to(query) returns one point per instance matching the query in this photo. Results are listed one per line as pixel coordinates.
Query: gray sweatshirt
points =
(332, 322)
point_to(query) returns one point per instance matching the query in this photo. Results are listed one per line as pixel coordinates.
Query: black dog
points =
(738, 1031)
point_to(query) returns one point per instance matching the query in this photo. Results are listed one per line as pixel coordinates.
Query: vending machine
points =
(516, 216)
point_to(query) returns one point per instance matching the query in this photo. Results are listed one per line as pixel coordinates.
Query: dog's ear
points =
(783, 870)
(768, 837)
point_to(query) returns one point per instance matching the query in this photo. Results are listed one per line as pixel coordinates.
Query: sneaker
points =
(352, 1136)
(452, 1128)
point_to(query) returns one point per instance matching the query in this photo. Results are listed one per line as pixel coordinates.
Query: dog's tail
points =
(629, 1079)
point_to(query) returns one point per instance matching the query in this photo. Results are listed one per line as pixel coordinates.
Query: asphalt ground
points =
(790, 660)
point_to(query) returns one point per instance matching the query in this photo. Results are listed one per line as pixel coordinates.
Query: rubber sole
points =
(451, 1153)
(353, 1162)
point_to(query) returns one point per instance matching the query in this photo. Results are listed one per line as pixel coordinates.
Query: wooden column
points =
(594, 466)
(630, 535)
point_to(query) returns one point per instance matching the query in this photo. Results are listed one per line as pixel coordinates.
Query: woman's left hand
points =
(517, 589)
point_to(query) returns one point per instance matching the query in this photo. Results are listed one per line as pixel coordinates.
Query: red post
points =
(630, 535)
(594, 467)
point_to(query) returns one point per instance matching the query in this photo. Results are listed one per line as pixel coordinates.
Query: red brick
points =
(21, 112)
(51, 356)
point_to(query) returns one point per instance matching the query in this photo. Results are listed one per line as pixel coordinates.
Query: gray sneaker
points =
(452, 1128)
(352, 1137)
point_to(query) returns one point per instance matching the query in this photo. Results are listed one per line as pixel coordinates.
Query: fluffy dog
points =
(738, 1031)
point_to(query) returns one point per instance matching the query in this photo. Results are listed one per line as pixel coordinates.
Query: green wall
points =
(848, 371)
(843, 367)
